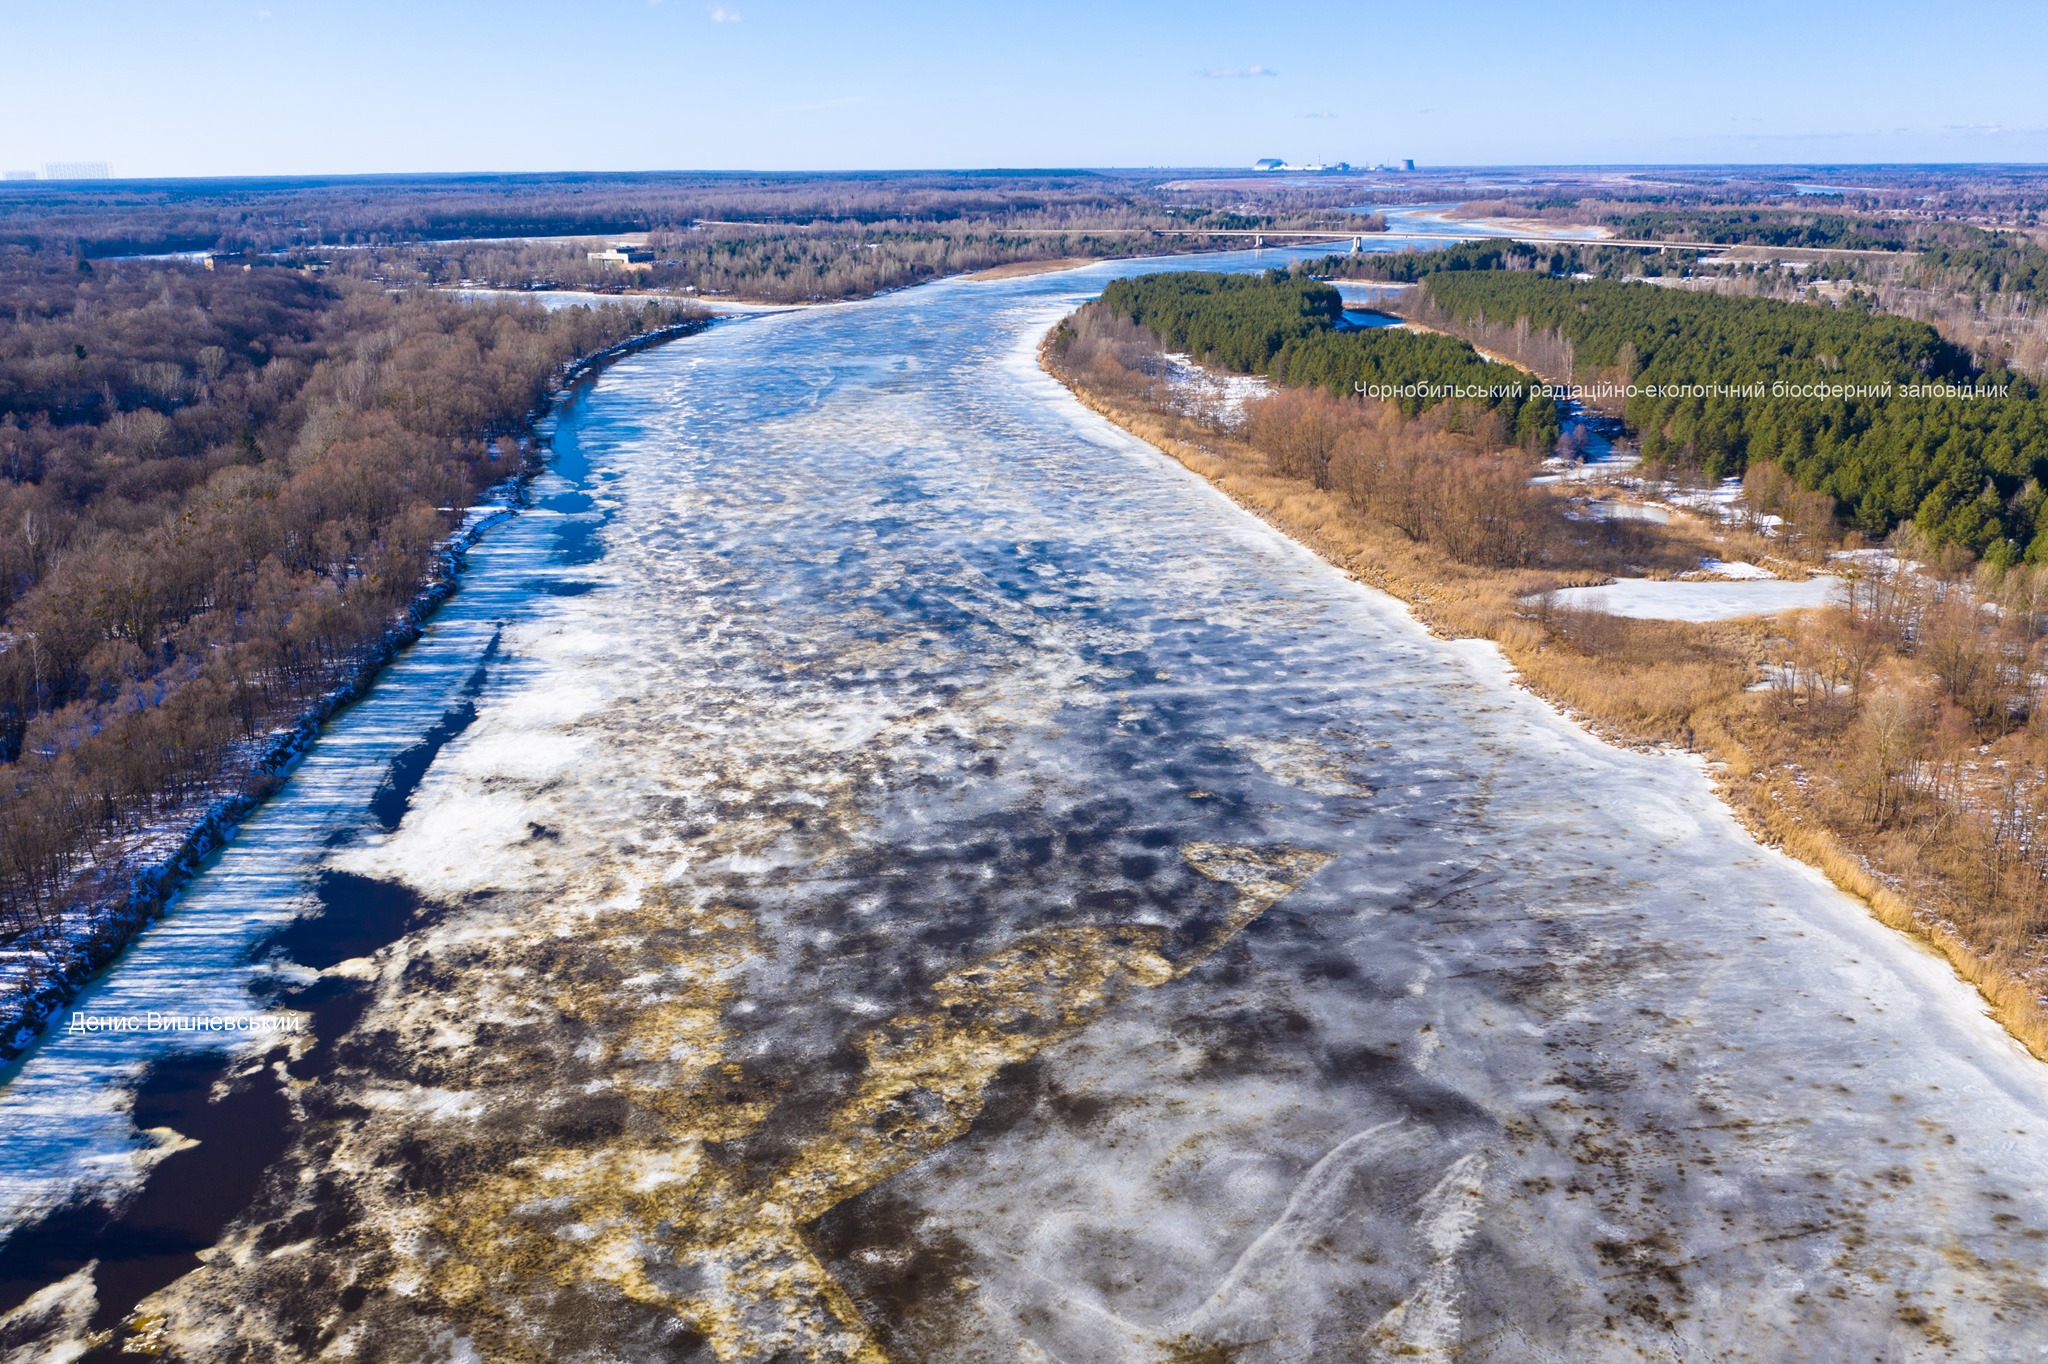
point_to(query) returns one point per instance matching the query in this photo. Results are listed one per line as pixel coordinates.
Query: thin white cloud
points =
(722, 15)
(812, 107)
(1988, 130)
(1322, 115)
(1238, 73)
(1866, 134)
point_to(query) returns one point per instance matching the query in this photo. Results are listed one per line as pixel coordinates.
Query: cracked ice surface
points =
(954, 888)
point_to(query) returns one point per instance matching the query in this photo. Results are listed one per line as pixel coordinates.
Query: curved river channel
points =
(879, 864)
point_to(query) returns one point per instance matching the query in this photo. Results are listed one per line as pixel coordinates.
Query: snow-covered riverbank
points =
(42, 970)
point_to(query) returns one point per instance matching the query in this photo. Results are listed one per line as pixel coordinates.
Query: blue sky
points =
(268, 87)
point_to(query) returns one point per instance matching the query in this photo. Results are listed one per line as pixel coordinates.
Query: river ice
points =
(930, 879)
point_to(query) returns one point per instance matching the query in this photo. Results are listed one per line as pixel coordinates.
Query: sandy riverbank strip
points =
(1019, 268)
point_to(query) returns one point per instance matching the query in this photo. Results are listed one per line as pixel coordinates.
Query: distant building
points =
(226, 260)
(1274, 163)
(21, 175)
(625, 257)
(1409, 164)
(75, 170)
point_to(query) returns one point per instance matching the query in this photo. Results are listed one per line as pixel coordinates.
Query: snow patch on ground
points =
(1612, 510)
(1206, 395)
(1699, 599)
(1735, 569)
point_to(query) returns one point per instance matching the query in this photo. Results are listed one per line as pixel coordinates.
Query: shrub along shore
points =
(1893, 743)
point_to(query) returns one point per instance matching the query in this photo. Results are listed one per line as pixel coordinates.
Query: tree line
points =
(1765, 227)
(117, 218)
(1442, 477)
(1966, 471)
(2001, 263)
(1291, 327)
(786, 264)
(1504, 253)
(1983, 297)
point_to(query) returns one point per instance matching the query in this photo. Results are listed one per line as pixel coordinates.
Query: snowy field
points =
(1702, 599)
(1207, 395)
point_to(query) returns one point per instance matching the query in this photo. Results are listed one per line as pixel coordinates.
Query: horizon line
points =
(1433, 168)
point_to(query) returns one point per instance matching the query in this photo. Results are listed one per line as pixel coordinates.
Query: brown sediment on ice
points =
(924, 1081)
(657, 1214)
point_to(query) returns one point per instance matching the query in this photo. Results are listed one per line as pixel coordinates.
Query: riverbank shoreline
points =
(151, 886)
(1021, 268)
(755, 303)
(1763, 794)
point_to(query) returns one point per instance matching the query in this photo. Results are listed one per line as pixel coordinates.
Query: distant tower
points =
(1409, 164)
(1357, 245)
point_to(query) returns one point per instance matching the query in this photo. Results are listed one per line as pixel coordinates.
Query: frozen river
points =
(907, 872)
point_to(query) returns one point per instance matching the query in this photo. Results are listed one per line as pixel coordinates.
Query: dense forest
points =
(2009, 196)
(1290, 327)
(1999, 263)
(1765, 227)
(1953, 256)
(116, 218)
(772, 265)
(1238, 321)
(1502, 253)
(1973, 263)
(219, 495)
(1967, 470)
(1982, 295)
(1888, 211)
(779, 238)
(1964, 469)
(1961, 250)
